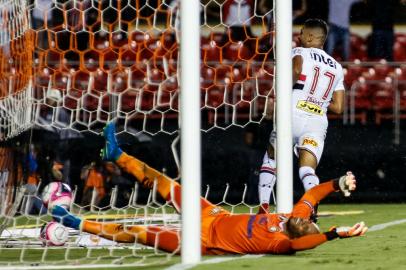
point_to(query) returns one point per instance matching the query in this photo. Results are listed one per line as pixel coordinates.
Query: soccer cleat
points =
(111, 151)
(62, 216)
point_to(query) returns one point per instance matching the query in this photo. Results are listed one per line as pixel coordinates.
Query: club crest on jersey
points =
(274, 229)
(309, 141)
(309, 107)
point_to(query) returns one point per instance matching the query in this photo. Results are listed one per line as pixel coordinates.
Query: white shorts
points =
(309, 132)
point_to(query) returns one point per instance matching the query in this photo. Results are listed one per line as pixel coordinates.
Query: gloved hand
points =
(344, 232)
(347, 183)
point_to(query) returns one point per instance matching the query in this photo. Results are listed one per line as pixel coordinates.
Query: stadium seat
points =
(358, 48)
(128, 100)
(214, 96)
(156, 75)
(400, 73)
(383, 99)
(119, 39)
(207, 76)
(399, 51)
(402, 95)
(238, 73)
(109, 59)
(64, 41)
(101, 41)
(128, 55)
(120, 81)
(53, 60)
(80, 80)
(218, 37)
(378, 72)
(71, 60)
(138, 75)
(238, 51)
(70, 103)
(168, 39)
(354, 71)
(89, 102)
(43, 77)
(91, 60)
(211, 54)
(60, 80)
(362, 96)
(100, 81)
(148, 98)
(222, 74)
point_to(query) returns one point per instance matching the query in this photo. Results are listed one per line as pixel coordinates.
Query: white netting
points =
(94, 60)
(20, 231)
(74, 65)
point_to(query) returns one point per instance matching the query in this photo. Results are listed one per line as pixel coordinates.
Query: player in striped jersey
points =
(317, 88)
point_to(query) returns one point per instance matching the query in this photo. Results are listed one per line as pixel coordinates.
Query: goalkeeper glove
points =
(346, 184)
(358, 229)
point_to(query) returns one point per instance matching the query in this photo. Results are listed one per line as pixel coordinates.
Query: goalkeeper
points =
(221, 231)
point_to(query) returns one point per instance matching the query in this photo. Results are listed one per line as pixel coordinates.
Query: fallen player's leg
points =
(169, 189)
(163, 238)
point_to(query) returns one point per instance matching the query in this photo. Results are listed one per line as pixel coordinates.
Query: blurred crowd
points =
(236, 16)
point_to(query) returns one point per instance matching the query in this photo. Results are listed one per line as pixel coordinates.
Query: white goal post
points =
(283, 77)
(190, 118)
(190, 130)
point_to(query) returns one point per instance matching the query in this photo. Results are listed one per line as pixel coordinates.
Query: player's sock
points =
(67, 219)
(146, 175)
(116, 232)
(267, 179)
(308, 177)
(111, 151)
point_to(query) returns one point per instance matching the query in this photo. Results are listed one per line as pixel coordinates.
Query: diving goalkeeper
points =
(221, 231)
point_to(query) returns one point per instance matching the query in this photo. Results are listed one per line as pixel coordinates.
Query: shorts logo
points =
(308, 141)
(309, 107)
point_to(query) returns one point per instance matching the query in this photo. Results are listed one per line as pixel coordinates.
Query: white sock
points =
(267, 179)
(308, 177)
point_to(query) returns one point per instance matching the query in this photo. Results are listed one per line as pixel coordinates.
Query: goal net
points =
(77, 64)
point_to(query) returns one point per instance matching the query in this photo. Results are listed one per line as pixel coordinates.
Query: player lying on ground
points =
(222, 232)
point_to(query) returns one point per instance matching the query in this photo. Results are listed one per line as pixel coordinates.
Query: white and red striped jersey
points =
(321, 76)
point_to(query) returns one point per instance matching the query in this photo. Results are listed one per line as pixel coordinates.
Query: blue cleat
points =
(67, 219)
(111, 151)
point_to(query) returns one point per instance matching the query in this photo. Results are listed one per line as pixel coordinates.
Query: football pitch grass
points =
(383, 247)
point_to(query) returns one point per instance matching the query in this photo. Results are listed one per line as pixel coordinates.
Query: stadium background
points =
(367, 148)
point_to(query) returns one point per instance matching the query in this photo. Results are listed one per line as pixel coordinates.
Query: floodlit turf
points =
(381, 249)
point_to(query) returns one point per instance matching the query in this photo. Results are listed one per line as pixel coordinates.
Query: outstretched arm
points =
(305, 207)
(311, 241)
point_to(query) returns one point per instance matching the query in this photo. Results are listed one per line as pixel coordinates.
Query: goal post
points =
(283, 77)
(190, 130)
(75, 65)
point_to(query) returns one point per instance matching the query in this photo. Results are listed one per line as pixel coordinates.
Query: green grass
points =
(383, 249)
